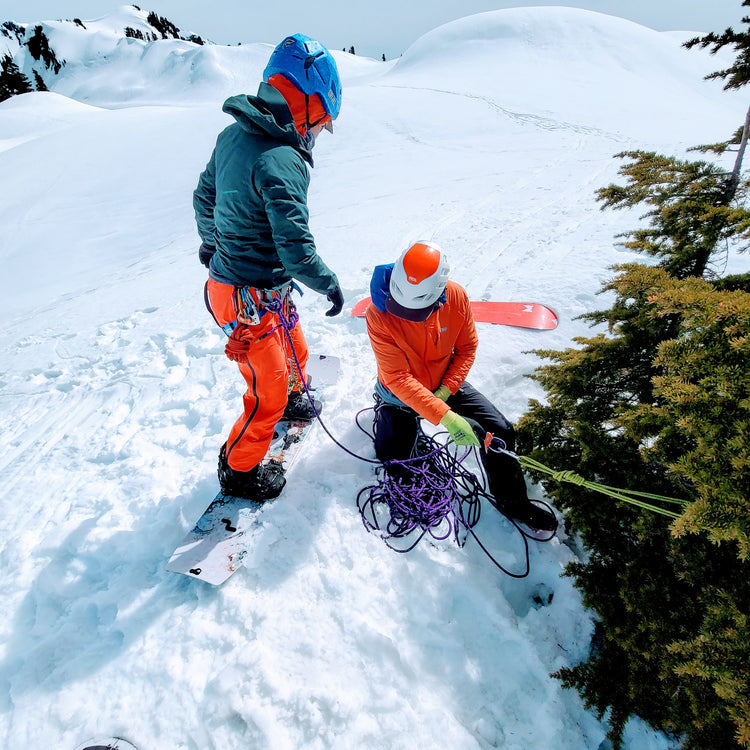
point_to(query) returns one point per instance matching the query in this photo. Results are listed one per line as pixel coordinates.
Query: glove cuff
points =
(443, 393)
(448, 418)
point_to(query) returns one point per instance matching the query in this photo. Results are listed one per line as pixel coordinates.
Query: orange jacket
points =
(414, 359)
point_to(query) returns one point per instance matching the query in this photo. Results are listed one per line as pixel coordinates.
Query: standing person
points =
(422, 331)
(251, 210)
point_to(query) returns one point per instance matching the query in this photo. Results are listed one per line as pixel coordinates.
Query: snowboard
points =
(519, 314)
(218, 543)
(107, 743)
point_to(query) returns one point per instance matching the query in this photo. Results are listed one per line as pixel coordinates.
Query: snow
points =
(490, 136)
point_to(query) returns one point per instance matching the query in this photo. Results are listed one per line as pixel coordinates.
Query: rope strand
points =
(626, 496)
(287, 324)
(431, 494)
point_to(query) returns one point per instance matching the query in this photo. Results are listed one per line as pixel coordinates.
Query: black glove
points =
(205, 253)
(336, 298)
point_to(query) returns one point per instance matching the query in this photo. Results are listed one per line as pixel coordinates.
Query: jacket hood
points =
(267, 114)
(379, 285)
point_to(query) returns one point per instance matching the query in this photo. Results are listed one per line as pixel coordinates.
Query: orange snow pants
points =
(269, 372)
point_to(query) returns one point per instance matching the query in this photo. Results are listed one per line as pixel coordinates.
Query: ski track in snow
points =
(520, 118)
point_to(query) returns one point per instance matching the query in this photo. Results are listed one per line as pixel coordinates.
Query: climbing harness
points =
(252, 303)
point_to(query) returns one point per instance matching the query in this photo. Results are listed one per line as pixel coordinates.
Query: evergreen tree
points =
(12, 80)
(10, 30)
(738, 74)
(39, 49)
(39, 82)
(661, 404)
(131, 33)
(164, 26)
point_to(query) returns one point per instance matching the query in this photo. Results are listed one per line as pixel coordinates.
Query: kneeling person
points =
(422, 331)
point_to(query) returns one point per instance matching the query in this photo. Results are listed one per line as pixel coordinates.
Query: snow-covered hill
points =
(490, 136)
(122, 58)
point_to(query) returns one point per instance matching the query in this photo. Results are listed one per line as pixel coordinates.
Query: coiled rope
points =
(432, 494)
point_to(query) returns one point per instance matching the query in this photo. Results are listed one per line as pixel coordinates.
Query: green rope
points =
(627, 496)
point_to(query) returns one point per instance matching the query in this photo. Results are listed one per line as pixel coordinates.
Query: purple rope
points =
(430, 494)
(287, 324)
(276, 306)
(421, 496)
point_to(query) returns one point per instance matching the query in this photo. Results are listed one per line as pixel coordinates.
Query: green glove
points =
(459, 429)
(443, 393)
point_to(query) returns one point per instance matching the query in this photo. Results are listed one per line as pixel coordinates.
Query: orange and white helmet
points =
(417, 282)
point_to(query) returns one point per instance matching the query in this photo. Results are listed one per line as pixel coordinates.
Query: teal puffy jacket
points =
(251, 199)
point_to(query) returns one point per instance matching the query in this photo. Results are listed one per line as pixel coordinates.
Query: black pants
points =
(396, 430)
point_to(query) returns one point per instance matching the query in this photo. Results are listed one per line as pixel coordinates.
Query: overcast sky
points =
(373, 27)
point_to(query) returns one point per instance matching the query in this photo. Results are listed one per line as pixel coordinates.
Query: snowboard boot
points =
(535, 516)
(262, 482)
(508, 488)
(298, 407)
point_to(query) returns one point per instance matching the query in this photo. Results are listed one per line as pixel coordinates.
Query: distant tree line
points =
(12, 80)
(165, 28)
(352, 52)
(39, 48)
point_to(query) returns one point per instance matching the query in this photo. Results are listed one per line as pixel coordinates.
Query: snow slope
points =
(489, 136)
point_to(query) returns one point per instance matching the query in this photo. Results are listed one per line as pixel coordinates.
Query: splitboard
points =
(216, 546)
(519, 314)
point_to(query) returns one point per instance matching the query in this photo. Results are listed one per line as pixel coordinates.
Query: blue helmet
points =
(310, 67)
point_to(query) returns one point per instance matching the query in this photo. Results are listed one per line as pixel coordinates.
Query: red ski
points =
(519, 314)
